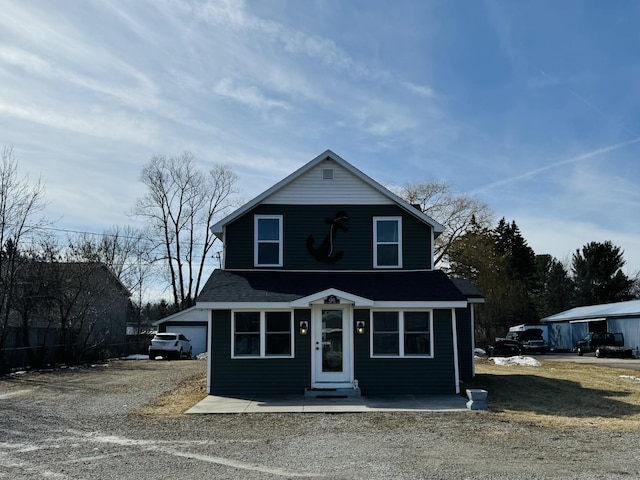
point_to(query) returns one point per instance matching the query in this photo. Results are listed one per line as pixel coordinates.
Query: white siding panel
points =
(344, 189)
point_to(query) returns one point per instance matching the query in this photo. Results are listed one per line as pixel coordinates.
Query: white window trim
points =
(263, 335)
(376, 243)
(401, 332)
(256, 242)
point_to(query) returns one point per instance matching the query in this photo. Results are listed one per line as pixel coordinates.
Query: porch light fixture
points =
(304, 327)
(360, 327)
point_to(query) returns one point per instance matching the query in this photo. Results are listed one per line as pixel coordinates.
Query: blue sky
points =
(533, 106)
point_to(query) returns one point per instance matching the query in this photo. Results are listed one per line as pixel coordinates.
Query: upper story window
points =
(268, 241)
(387, 242)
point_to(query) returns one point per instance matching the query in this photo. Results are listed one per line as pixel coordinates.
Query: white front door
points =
(332, 344)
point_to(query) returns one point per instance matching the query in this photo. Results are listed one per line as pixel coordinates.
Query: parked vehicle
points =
(166, 345)
(518, 343)
(503, 347)
(604, 344)
(529, 341)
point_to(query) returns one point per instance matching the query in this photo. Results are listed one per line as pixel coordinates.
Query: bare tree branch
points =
(456, 211)
(180, 206)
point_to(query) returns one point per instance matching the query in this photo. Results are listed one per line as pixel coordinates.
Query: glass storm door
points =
(331, 346)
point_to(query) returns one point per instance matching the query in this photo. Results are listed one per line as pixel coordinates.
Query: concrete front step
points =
(331, 393)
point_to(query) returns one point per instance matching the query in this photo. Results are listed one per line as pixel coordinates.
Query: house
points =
(192, 323)
(65, 312)
(566, 328)
(328, 282)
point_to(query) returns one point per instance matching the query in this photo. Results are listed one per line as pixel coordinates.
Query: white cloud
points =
(422, 90)
(233, 14)
(250, 96)
(95, 122)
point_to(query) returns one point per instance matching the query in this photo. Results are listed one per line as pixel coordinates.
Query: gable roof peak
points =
(328, 154)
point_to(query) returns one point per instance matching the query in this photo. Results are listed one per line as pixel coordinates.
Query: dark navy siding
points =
(258, 376)
(465, 345)
(376, 376)
(380, 376)
(300, 221)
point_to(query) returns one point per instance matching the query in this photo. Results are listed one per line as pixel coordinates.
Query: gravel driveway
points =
(79, 424)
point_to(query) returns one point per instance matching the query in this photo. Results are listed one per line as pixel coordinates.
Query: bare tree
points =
(20, 205)
(80, 299)
(179, 207)
(455, 211)
(127, 252)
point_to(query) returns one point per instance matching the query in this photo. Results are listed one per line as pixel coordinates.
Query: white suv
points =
(170, 345)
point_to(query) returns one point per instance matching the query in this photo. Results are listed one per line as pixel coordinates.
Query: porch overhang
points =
(332, 295)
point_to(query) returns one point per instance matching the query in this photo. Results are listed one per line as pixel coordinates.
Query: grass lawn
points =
(562, 394)
(559, 394)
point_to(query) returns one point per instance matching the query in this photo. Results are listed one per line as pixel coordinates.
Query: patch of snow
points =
(630, 377)
(479, 352)
(137, 356)
(517, 360)
(202, 356)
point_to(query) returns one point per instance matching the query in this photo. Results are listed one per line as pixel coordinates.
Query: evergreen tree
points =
(556, 289)
(597, 273)
(501, 264)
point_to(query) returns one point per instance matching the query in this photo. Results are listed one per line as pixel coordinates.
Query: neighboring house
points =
(329, 282)
(81, 307)
(566, 328)
(192, 323)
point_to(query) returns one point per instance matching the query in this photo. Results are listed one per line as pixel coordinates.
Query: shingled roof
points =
(273, 286)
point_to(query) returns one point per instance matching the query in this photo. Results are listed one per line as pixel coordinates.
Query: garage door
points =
(197, 335)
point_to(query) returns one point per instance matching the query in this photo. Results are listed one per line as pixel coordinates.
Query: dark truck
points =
(518, 343)
(604, 345)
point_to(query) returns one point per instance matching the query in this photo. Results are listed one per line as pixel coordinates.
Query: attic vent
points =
(327, 173)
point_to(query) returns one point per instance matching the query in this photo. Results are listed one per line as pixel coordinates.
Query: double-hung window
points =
(268, 240)
(262, 334)
(387, 242)
(404, 333)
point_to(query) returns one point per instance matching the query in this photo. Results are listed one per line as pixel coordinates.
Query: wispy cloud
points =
(142, 95)
(234, 14)
(537, 171)
(94, 122)
(250, 96)
(421, 90)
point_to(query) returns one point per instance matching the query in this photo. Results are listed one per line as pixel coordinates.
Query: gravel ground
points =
(81, 423)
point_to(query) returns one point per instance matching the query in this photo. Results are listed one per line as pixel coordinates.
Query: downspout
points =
(456, 369)
(209, 350)
(473, 339)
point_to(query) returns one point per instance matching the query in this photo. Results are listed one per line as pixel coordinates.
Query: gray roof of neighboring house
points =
(619, 309)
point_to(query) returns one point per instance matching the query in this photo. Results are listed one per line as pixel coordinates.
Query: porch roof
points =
(283, 286)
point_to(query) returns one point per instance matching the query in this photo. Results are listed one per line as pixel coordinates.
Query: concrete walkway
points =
(300, 404)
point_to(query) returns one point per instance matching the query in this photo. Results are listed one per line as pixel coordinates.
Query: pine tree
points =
(597, 273)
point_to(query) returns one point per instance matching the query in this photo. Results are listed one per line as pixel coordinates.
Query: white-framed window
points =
(261, 334)
(401, 333)
(387, 242)
(268, 241)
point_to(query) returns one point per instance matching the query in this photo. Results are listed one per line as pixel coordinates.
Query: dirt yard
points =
(124, 420)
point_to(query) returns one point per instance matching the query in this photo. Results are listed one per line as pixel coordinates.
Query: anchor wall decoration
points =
(324, 253)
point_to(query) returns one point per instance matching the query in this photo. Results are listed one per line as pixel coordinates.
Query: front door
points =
(332, 346)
